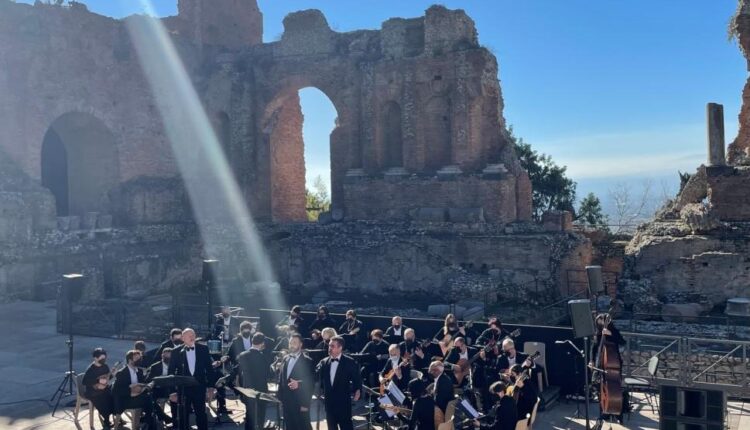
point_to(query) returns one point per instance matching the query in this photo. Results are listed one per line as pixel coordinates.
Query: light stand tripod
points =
(67, 381)
(586, 387)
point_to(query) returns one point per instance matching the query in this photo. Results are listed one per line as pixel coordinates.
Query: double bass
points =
(608, 360)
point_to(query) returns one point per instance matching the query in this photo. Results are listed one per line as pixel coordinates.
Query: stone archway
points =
(282, 127)
(79, 163)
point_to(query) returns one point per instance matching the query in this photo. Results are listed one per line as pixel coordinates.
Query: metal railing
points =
(689, 362)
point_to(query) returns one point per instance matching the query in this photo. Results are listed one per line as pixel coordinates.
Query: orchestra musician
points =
(160, 368)
(397, 368)
(377, 350)
(443, 392)
(296, 385)
(495, 333)
(511, 357)
(450, 328)
(193, 359)
(395, 333)
(326, 335)
(461, 357)
(504, 411)
(95, 381)
(340, 382)
(128, 391)
(241, 343)
(525, 392)
(351, 330)
(293, 319)
(613, 335)
(412, 350)
(175, 340)
(423, 407)
(222, 329)
(322, 321)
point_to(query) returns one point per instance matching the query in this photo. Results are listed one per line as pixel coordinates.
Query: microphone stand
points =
(587, 388)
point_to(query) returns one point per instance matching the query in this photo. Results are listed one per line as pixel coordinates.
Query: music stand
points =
(180, 382)
(258, 396)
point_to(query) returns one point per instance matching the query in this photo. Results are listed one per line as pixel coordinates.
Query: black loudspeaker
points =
(71, 287)
(685, 408)
(580, 318)
(596, 284)
(209, 272)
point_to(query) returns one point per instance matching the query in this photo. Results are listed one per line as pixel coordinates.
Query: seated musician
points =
(525, 392)
(322, 321)
(129, 390)
(450, 328)
(377, 350)
(326, 335)
(504, 411)
(395, 333)
(95, 381)
(222, 329)
(175, 340)
(423, 407)
(412, 350)
(443, 392)
(460, 356)
(146, 358)
(396, 368)
(511, 357)
(314, 339)
(495, 333)
(294, 318)
(351, 330)
(241, 343)
(161, 368)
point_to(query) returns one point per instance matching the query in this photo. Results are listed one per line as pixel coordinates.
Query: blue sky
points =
(615, 90)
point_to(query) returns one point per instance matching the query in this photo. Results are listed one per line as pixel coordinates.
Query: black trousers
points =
(296, 419)
(103, 403)
(195, 399)
(250, 413)
(339, 416)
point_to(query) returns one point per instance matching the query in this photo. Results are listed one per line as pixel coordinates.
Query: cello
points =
(610, 387)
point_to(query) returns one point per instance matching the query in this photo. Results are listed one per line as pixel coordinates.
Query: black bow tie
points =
(189, 348)
(334, 360)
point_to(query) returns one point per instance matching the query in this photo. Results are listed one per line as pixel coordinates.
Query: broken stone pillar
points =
(715, 119)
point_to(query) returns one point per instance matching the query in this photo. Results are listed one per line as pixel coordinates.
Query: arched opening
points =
(437, 135)
(392, 135)
(79, 164)
(299, 125)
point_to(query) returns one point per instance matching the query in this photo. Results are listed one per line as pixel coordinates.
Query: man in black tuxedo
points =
(193, 359)
(296, 385)
(443, 385)
(340, 381)
(254, 370)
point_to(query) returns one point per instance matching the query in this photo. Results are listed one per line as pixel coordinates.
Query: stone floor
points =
(33, 360)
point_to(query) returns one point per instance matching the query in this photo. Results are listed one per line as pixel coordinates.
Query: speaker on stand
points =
(70, 291)
(583, 327)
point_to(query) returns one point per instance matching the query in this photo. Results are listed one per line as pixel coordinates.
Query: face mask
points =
(321, 316)
(397, 326)
(166, 360)
(177, 342)
(245, 334)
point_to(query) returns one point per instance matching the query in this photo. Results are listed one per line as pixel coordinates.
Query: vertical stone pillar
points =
(715, 120)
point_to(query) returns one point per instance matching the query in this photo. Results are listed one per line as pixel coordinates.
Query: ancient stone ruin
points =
(427, 195)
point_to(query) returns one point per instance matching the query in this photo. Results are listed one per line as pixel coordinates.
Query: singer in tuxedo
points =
(254, 371)
(193, 359)
(340, 381)
(296, 384)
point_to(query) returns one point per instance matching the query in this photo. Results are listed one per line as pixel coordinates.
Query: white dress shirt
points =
(246, 343)
(290, 365)
(133, 375)
(191, 360)
(334, 367)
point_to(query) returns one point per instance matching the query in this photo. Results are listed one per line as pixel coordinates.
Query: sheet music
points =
(398, 396)
(385, 400)
(468, 409)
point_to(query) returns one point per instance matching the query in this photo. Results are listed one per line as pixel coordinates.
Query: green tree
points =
(317, 200)
(590, 213)
(552, 189)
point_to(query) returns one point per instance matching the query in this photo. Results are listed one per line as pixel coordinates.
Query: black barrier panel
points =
(561, 360)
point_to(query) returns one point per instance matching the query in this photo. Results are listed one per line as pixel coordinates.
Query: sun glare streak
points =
(213, 192)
